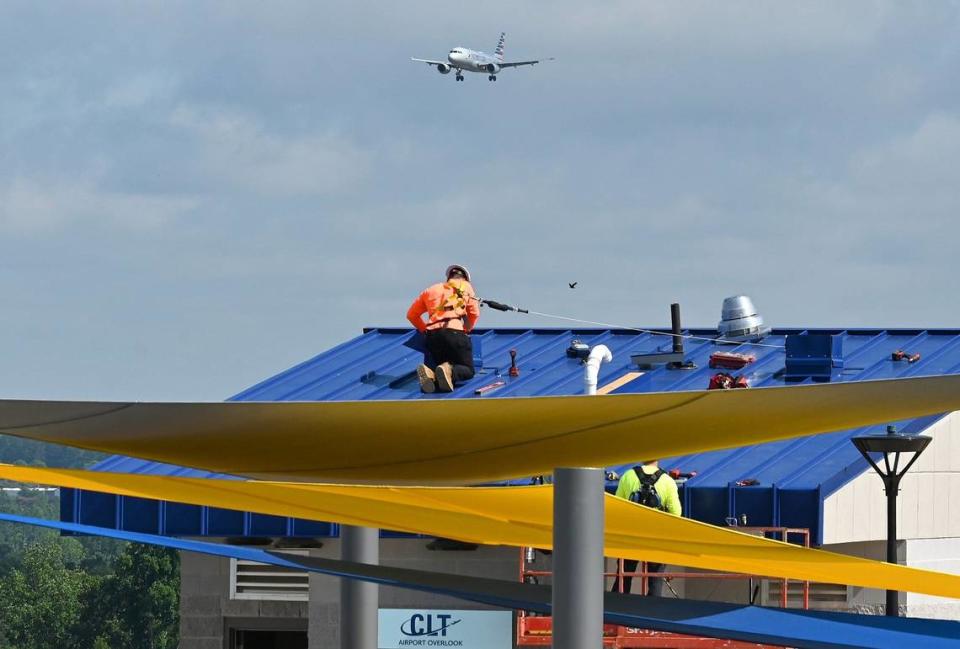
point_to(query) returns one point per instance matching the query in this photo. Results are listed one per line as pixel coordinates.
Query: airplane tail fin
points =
(499, 51)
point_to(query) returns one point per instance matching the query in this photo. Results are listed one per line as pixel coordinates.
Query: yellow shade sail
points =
(518, 516)
(461, 441)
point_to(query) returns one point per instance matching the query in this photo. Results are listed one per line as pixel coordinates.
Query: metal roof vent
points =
(740, 321)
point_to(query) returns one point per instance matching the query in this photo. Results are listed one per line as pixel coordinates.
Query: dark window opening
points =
(244, 639)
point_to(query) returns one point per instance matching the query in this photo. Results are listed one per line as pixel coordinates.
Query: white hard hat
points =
(454, 267)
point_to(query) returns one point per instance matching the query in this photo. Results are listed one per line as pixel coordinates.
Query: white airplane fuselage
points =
(463, 58)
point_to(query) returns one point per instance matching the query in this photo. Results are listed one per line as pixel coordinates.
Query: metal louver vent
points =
(252, 580)
(739, 320)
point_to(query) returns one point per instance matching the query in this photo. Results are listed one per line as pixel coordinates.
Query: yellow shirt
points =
(666, 488)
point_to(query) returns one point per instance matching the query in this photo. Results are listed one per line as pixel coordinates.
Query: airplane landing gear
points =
(492, 77)
(459, 77)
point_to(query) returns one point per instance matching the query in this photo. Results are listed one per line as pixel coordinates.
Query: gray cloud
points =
(195, 196)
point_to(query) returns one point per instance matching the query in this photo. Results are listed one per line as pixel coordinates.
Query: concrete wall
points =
(491, 562)
(868, 600)
(206, 610)
(933, 554)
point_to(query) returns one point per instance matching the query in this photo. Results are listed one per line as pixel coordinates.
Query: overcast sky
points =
(196, 195)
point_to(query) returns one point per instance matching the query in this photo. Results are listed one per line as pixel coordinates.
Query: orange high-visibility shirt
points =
(451, 304)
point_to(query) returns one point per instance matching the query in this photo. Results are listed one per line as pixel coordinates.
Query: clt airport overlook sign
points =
(405, 628)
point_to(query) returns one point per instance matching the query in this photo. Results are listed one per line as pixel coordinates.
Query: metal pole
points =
(676, 328)
(896, 444)
(359, 600)
(892, 485)
(578, 558)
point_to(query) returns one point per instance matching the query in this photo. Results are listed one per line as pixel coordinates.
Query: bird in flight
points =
(572, 284)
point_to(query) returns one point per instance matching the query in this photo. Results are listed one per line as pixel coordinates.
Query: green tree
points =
(14, 450)
(40, 602)
(95, 555)
(78, 592)
(138, 606)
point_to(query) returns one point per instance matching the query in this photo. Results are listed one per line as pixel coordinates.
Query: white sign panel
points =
(406, 628)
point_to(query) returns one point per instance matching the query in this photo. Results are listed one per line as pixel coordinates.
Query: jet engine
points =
(443, 68)
(492, 68)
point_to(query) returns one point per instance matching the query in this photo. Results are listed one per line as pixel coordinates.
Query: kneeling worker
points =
(452, 311)
(649, 485)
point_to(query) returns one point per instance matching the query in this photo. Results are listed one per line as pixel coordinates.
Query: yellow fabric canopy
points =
(461, 441)
(518, 516)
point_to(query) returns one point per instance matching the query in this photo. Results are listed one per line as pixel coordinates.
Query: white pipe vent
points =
(600, 353)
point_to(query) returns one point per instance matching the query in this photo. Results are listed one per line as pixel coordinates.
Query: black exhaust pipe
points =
(675, 328)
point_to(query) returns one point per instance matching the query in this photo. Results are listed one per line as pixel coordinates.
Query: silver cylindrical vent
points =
(739, 320)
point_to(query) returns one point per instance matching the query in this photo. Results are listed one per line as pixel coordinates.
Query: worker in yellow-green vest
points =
(648, 485)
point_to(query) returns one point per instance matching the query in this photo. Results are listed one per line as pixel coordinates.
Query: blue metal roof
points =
(793, 476)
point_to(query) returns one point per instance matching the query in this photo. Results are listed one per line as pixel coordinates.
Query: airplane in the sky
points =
(461, 58)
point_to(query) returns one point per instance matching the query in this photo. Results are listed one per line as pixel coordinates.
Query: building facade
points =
(818, 483)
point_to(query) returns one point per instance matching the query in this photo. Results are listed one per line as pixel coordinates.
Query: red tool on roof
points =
(514, 370)
(730, 360)
(490, 387)
(901, 355)
(681, 476)
(724, 381)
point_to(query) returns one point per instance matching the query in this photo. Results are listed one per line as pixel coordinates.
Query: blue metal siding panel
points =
(802, 508)
(68, 503)
(756, 503)
(225, 522)
(184, 520)
(264, 525)
(708, 504)
(98, 509)
(302, 528)
(140, 515)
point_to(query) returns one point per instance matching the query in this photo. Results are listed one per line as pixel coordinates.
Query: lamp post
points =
(892, 444)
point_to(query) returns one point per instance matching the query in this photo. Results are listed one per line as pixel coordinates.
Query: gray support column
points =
(578, 558)
(359, 600)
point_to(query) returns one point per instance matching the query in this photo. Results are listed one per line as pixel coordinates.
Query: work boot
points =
(445, 377)
(428, 380)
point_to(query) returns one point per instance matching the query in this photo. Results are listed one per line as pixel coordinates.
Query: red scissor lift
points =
(537, 630)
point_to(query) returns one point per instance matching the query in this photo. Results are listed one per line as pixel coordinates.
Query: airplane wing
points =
(429, 62)
(516, 64)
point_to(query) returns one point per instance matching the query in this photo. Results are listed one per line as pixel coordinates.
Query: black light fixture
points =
(892, 444)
